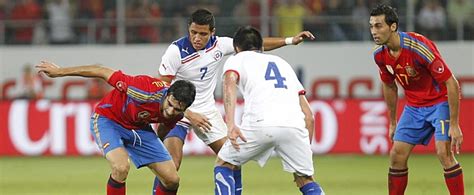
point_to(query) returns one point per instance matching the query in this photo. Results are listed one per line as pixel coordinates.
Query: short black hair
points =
(183, 91)
(248, 38)
(203, 17)
(390, 13)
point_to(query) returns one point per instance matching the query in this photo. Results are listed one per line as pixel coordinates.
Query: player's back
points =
(270, 89)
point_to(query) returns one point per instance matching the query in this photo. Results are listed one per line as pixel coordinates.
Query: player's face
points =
(199, 35)
(172, 107)
(380, 30)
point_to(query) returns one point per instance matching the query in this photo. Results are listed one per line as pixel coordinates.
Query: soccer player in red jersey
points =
(121, 122)
(432, 93)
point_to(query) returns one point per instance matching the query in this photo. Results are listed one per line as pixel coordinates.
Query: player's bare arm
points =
(52, 70)
(455, 132)
(230, 98)
(390, 94)
(271, 43)
(308, 116)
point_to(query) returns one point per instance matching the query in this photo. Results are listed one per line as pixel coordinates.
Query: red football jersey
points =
(419, 69)
(135, 102)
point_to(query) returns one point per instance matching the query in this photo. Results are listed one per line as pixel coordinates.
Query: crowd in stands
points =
(154, 21)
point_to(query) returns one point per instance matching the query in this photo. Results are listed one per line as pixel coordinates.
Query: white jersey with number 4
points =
(200, 67)
(270, 89)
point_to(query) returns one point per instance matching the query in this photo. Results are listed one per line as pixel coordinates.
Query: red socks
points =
(454, 180)
(397, 181)
(115, 187)
(160, 190)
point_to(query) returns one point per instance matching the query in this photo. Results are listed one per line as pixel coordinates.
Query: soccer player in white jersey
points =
(276, 117)
(196, 58)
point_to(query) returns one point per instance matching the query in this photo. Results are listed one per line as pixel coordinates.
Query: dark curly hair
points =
(183, 91)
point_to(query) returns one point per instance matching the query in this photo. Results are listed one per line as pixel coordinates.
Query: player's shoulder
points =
(419, 45)
(376, 49)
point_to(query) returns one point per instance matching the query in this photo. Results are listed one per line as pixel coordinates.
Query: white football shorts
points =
(218, 129)
(290, 144)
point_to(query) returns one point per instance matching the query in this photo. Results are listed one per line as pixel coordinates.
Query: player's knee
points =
(397, 157)
(171, 182)
(121, 169)
(445, 157)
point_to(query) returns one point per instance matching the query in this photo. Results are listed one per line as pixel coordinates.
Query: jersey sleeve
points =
(232, 65)
(170, 61)
(429, 56)
(227, 45)
(141, 88)
(385, 74)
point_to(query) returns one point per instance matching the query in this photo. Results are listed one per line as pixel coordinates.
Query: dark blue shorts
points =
(143, 145)
(418, 124)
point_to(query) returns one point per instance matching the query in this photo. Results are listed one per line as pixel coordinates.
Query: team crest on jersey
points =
(217, 55)
(411, 71)
(389, 68)
(143, 115)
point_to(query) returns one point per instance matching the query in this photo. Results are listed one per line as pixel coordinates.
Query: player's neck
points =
(394, 42)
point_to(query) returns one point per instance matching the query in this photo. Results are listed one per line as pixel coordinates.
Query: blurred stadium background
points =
(45, 145)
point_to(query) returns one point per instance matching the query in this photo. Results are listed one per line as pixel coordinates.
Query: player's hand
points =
(234, 133)
(391, 131)
(456, 138)
(198, 120)
(300, 37)
(48, 68)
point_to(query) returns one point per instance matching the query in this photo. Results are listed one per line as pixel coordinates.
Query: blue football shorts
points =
(143, 145)
(418, 124)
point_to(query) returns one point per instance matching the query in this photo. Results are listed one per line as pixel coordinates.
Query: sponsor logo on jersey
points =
(389, 68)
(217, 55)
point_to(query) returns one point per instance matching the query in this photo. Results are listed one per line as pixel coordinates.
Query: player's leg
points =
(411, 130)
(224, 178)
(108, 137)
(307, 185)
(230, 160)
(398, 171)
(119, 164)
(146, 150)
(174, 143)
(453, 175)
(215, 139)
(168, 176)
(293, 146)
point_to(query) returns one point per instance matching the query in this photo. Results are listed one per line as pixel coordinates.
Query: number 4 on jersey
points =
(271, 67)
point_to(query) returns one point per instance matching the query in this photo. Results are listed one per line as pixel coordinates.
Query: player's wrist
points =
(289, 40)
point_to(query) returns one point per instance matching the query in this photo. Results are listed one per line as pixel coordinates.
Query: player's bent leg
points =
(174, 143)
(224, 178)
(398, 171)
(399, 154)
(168, 176)
(119, 164)
(217, 145)
(453, 175)
(307, 185)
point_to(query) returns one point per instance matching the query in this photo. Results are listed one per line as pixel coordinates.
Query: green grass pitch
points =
(338, 174)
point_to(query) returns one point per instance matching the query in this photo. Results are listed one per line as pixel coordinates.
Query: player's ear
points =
(213, 31)
(393, 27)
